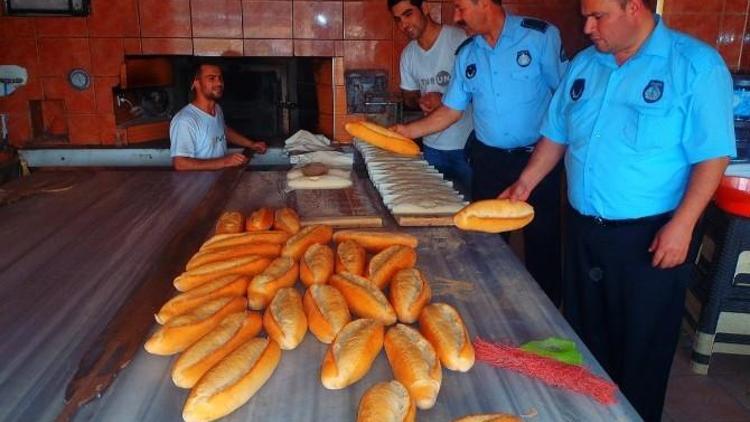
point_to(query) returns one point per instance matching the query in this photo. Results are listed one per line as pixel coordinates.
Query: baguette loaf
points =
(296, 246)
(350, 258)
(326, 310)
(409, 293)
(364, 298)
(351, 354)
(386, 402)
(388, 262)
(184, 330)
(228, 285)
(230, 222)
(490, 417)
(376, 241)
(265, 249)
(494, 216)
(441, 324)
(227, 240)
(414, 363)
(316, 265)
(285, 320)
(382, 138)
(282, 272)
(232, 332)
(247, 265)
(233, 381)
(286, 219)
(260, 219)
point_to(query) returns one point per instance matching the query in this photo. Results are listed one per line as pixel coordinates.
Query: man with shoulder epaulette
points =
(508, 72)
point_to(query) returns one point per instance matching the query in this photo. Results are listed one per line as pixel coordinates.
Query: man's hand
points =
(402, 130)
(260, 147)
(430, 101)
(671, 244)
(518, 191)
(234, 160)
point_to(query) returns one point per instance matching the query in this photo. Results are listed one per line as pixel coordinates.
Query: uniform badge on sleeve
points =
(653, 91)
(523, 58)
(579, 85)
(471, 71)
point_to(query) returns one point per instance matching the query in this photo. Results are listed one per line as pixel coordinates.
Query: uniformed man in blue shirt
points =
(508, 71)
(644, 121)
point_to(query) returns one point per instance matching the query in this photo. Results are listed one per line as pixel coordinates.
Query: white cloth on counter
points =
(304, 141)
(332, 159)
(334, 179)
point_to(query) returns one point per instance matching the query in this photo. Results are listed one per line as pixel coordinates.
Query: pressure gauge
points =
(79, 79)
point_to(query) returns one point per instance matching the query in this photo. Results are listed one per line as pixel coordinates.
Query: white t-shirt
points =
(431, 71)
(196, 134)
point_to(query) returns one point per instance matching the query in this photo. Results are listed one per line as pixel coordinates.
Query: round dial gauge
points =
(79, 79)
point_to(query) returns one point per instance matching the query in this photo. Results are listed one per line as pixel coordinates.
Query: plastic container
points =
(733, 195)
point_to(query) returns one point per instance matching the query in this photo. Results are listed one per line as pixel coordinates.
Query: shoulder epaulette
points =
(535, 24)
(463, 44)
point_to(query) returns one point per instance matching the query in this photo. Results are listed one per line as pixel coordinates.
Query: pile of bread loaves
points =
(255, 263)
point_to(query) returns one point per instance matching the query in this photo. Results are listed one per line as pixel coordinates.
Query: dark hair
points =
(198, 66)
(415, 3)
(497, 2)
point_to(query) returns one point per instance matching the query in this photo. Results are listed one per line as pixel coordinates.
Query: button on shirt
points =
(634, 131)
(194, 133)
(509, 85)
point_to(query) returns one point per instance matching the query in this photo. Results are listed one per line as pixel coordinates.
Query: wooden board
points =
(424, 220)
(356, 206)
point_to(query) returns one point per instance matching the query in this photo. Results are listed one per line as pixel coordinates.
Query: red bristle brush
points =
(553, 372)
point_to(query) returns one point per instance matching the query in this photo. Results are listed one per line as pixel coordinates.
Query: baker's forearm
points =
(187, 163)
(545, 157)
(436, 121)
(704, 179)
(238, 139)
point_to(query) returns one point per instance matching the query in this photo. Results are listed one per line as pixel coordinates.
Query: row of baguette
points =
(225, 364)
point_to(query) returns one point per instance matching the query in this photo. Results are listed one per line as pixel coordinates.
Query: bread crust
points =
(285, 320)
(351, 354)
(260, 219)
(316, 265)
(382, 138)
(386, 402)
(286, 219)
(409, 292)
(230, 222)
(351, 257)
(197, 276)
(282, 272)
(376, 241)
(442, 325)
(229, 285)
(364, 298)
(415, 364)
(388, 262)
(234, 239)
(296, 246)
(494, 216)
(264, 249)
(326, 310)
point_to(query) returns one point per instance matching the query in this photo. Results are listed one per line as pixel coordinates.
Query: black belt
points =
(524, 149)
(603, 222)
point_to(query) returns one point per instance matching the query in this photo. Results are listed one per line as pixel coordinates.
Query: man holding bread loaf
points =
(198, 135)
(426, 68)
(507, 71)
(644, 120)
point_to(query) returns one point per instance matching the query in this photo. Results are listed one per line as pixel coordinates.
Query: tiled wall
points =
(720, 23)
(358, 34)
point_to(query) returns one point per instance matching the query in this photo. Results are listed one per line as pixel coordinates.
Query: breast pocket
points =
(659, 126)
(526, 84)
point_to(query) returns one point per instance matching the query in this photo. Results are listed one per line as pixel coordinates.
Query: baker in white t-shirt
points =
(198, 135)
(426, 68)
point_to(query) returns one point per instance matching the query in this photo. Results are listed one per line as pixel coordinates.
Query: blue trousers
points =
(454, 166)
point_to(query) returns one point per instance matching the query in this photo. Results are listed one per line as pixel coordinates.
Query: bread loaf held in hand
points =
(414, 363)
(351, 354)
(494, 216)
(388, 262)
(282, 272)
(316, 265)
(233, 381)
(232, 332)
(184, 330)
(382, 138)
(260, 219)
(386, 402)
(285, 320)
(442, 325)
(364, 298)
(326, 310)
(409, 293)
(350, 258)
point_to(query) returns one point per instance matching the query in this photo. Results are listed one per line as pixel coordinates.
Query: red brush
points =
(553, 372)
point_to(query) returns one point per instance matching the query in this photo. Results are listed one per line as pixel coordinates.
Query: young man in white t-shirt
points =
(198, 135)
(426, 70)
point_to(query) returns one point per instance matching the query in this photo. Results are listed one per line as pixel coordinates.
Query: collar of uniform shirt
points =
(509, 31)
(659, 43)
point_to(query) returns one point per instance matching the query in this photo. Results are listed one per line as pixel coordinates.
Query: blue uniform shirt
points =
(634, 131)
(510, 85)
